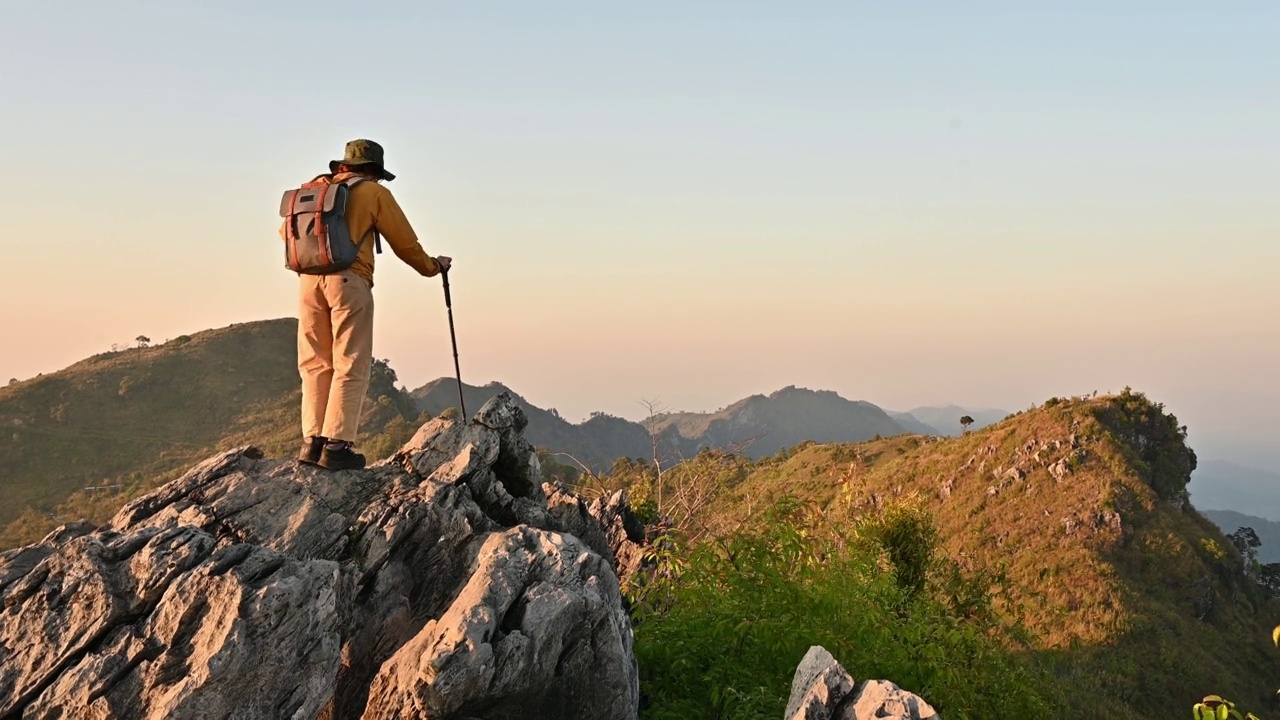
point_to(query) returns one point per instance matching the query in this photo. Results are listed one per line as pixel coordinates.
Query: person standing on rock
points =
(335, 309)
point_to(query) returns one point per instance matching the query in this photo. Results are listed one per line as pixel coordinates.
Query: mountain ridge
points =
(757, 425)
(120, 422)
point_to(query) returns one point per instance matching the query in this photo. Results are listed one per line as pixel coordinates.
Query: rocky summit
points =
(444, 582)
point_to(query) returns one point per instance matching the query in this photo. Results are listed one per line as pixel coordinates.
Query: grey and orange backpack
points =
(314, 230)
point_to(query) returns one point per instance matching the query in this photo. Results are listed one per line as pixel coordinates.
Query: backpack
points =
(314, 230)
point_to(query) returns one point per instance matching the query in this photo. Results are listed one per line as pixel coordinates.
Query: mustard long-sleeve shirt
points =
(371, 206)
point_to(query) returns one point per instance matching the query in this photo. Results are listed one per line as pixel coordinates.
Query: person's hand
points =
(445, 263)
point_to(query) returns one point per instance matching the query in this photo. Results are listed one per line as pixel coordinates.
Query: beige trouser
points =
(335, 352)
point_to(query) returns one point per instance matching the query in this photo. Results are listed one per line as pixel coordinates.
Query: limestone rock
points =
(819, 687)
(823, 690)
(534, 621)
(883, 699)
(436, 583)
(1060, 470)
(606, 524)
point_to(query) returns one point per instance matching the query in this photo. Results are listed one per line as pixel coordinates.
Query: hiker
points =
(335, 310)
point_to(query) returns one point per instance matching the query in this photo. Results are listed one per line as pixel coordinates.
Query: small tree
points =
(143, 340)
(965, 422)
(1247, 543)
(655, 409)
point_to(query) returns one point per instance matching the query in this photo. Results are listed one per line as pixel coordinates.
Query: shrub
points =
(910, 539)
(1211, 546)
(719, 635)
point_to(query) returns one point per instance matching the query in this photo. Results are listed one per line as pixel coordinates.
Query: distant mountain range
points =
(1222, 485)
(945, 420)
(757, 426)
(1268, 532)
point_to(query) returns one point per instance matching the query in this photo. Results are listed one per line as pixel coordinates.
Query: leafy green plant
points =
(1215, 707)
(908, 536)
(721, 627)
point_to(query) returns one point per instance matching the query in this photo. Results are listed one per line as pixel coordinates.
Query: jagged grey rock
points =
(823, 690)
(436, 583)
(818, 688)
(606, 524)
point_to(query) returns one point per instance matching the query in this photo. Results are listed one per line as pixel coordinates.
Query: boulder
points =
(823, 690)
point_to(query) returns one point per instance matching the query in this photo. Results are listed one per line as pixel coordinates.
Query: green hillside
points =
(81, 440)
(1077, 511)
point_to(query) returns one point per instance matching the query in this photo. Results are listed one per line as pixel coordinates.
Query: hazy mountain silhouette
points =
(764, 425)
(946, 419)
(756, 426)
(1222, 485)
(1268, 531)
(913, 424)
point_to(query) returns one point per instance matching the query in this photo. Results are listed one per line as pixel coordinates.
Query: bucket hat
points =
(363, 152)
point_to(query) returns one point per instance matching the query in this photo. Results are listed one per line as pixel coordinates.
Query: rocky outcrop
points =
(439, 583)
(823, 690)
(606, 524)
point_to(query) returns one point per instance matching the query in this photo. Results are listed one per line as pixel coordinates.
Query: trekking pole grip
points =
(448, 300)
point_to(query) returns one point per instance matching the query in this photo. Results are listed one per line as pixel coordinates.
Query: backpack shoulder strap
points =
(351, 182)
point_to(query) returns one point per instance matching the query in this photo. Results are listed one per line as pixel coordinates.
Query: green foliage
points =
(395, 433)
(1211, 546)
(1156, 444)
(909, 537)
(1215, 707)
(647, 511)
(553, 470)
(719, 635)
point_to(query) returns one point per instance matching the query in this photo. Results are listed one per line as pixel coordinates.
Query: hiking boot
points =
(340, 456)
(311, 449)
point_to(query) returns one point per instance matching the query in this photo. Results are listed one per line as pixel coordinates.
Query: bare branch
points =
(585, 471)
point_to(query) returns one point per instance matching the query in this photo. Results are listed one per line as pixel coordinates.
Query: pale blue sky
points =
(907, 203)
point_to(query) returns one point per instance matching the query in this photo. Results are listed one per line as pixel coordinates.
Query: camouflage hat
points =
(362, 152)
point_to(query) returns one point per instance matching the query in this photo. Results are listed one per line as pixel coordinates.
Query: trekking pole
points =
(448, 303)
